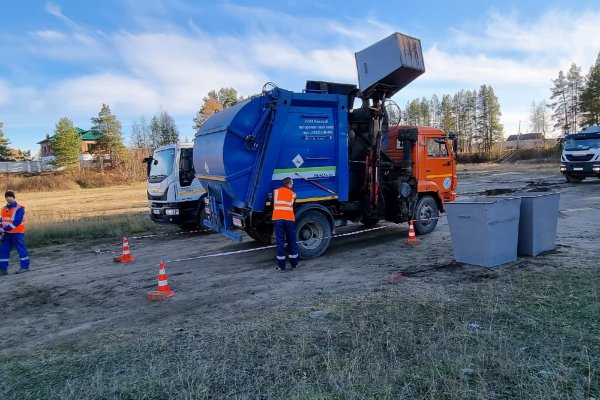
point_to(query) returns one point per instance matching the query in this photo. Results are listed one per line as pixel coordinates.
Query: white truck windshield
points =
(581, 144)
(162, 165)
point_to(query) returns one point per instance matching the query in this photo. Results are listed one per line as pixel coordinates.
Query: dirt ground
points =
(76, 290)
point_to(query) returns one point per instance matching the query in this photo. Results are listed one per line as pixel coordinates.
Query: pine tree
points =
(215, 102)
(575, 85)
(5, 154)
(110, 141)
(488, 118)
(560, 105)
(590, 97)
(448, 122)
(66, 144)
(425, 112)
(163, 130)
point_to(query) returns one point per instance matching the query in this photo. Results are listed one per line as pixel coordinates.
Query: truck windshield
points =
(582, 144)
(162, 165)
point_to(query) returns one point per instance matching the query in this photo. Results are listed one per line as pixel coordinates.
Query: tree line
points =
(474, 115)
(66, 143)
(575, 99)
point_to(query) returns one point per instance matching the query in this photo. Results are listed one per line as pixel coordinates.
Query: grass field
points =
(520, 336)
(85, 214)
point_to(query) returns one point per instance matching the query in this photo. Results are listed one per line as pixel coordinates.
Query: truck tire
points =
(426, 215)
(314, 233)
(260, 237)
(369, 221)
(573, 179)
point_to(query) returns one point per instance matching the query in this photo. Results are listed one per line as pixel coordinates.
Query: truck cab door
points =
(186, 168)
(439, 166)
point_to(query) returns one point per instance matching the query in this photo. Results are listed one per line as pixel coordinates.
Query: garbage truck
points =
(580, 156)
(175, 195)
(349, 164)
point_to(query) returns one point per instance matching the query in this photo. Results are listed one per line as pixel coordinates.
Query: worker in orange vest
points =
(285, 224)
(13, 234)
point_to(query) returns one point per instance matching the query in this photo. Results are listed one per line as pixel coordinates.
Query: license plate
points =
(578, 169)
(155, 211)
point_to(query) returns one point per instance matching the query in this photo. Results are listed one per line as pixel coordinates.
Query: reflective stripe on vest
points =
(283, 204)
(8, 216)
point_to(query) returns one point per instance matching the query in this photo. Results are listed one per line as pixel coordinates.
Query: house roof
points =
(526, 136)
(88, 135)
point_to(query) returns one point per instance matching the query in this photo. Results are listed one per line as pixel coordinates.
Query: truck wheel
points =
(573, 179)
(314, 233)
(260, 237)
(426, 215)
(369, 221)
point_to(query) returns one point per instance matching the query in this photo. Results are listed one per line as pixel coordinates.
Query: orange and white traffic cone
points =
(126, 257)
(163, 291)
(163, 284)
(412, 238)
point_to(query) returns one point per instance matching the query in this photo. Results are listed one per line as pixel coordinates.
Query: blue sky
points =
(65, 57)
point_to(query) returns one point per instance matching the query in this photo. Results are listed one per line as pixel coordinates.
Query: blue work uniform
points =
(13, 224)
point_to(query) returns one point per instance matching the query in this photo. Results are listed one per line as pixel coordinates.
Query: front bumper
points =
(583, 169)
(174, 213)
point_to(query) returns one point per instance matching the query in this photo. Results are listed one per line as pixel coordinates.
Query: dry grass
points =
(85, 178)
(86, 214)
(522, 336)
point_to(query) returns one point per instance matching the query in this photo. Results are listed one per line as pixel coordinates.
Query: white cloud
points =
(137, 71)
(479, 69)
(54, 9)
(50, 36)
(87, 93)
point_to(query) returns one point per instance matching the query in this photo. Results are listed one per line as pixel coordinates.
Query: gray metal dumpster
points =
(537, 222)
(484, 230)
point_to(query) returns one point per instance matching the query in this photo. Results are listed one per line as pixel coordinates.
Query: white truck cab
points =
(174, 193)
(580, 157)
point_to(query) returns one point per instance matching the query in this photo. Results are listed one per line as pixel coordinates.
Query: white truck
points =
(175, 195)
(580, 157)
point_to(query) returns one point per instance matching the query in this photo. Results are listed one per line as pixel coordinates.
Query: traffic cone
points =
(412, 238)
(126, 257)
(163, 284)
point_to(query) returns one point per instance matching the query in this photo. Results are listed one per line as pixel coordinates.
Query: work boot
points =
(3, 272)
(22, 270)
(280, 269)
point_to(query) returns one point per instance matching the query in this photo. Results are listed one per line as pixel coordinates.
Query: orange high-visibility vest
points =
(283, 204)
(8, 216)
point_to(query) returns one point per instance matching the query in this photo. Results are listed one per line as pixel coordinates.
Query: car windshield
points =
(582, 144)
(162, 164)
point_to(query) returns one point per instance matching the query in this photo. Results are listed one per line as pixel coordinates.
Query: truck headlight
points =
(171, 211)
(563, 168)
(596, 168)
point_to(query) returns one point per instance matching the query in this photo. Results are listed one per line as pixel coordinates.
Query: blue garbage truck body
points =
(338, 157)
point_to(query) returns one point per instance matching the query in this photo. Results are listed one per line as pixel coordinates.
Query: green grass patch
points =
(524, 335)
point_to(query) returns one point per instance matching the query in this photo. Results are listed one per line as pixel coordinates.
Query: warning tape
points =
(227, 253)
(200, 231)
(258, 248)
